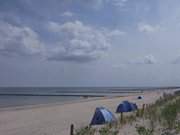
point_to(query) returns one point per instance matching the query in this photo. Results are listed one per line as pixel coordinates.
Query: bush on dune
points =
(85, 131)
(143, 130)
(169, 114)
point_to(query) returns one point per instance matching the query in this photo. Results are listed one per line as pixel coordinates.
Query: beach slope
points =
(56, 119)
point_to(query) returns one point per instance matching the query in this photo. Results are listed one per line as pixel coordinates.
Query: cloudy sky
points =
(89, 43)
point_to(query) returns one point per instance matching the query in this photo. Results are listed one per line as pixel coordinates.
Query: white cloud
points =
(147, 28)
(67, 14)
(149, 59)
(78, 42)
(116, 33)
(16, 40)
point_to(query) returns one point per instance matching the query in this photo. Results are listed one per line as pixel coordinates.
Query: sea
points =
(24, 96)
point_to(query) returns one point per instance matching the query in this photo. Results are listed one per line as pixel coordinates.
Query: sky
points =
(89, 43)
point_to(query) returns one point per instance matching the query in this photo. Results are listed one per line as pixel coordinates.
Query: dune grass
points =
(162, 116)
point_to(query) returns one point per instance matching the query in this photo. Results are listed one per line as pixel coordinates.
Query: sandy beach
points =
(56, 119)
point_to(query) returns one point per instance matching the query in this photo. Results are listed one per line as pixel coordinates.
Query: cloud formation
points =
(77, 42)
(67, 14)
(147, 28)
(148, 25)
(116, 33)
(149, 59)
(16, 40)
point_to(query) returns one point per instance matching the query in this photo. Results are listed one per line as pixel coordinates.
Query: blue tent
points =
(126, 106)
(140, 97)
(102, 116)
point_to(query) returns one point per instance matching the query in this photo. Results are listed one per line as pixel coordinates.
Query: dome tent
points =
(139, 97)
(102, 116)
(126, 106)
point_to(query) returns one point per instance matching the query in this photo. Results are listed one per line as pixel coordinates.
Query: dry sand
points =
(56, 119)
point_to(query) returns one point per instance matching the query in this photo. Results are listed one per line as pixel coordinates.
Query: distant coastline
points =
(33, 96)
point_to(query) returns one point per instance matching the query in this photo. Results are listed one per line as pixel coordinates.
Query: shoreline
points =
(86, 99)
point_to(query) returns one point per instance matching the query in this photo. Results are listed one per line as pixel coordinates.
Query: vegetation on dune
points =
(86, 131)
(144, 131)
(169, 114)
(161, 118)
(108, 131)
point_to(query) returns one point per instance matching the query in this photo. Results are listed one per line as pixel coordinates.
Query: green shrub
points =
(143, 130)
(169, 114)
(131, 118)
(153, 115)
(177, 126)
(85, 131)
(140, 113)
(108, 131)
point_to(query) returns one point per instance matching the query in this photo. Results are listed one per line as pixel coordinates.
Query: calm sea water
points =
(14, 101)
(22, 96)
